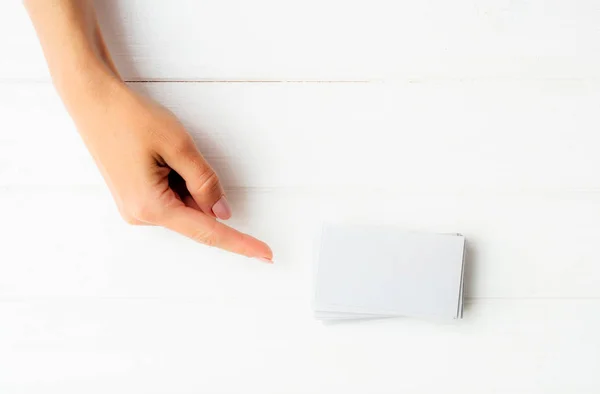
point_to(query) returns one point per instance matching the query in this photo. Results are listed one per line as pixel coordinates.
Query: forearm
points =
(72, 42)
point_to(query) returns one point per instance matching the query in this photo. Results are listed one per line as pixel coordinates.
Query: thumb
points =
(200, 179)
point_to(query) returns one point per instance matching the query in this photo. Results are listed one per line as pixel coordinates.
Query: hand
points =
(154, 170)
(150, 163)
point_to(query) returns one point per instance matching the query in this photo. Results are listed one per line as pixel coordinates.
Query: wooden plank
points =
(70, 241)
(244, 344)
(330, 39)
(442, 136)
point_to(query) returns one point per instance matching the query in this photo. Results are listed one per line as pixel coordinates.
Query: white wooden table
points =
(474, 116)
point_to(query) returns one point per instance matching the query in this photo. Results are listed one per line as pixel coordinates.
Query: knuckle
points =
(144, 210)
(207, 182)
(183, 145)
(130, 219)
(206, 236)
(127, 218)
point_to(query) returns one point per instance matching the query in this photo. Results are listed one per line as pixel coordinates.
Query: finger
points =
(190, 202)
(177, 184)
(200, 179)
(137, 222)
(209, 231)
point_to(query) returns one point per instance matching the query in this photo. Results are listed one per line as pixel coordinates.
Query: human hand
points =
(150, 163)
(153, 168)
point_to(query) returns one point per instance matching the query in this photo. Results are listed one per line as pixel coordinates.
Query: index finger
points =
(207, 230)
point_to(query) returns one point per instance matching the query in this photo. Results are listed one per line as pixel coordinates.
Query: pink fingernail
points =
(264, 260)
(221, 209)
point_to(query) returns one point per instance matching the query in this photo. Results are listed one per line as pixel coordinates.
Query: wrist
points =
(82, 68)
(86, 85)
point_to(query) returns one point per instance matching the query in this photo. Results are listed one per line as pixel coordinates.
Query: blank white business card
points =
(366, 272)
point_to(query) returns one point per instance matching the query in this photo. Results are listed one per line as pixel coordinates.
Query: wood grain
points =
(241, 344)
(69, 241)
(330, 39)
(443, 136)
(477, 117)
(512, 166)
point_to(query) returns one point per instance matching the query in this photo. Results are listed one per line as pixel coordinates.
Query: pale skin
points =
(150, 163)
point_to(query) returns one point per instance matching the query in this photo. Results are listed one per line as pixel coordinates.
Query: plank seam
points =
(192, 298)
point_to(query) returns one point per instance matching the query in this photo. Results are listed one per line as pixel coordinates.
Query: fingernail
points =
(221, 209)
(264, 260)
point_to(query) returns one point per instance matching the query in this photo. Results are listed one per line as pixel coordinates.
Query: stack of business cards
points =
(367, 272)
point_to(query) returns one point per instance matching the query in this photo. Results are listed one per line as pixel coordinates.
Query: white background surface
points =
(479, 117)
